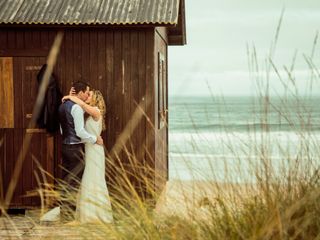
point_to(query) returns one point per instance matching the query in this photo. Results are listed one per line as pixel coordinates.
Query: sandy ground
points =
(194, 198)
(190, 199)
(24, 227)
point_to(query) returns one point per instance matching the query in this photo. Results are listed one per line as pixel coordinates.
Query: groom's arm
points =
(77, 114)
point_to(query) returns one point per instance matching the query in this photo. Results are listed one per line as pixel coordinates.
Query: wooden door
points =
(40, 152)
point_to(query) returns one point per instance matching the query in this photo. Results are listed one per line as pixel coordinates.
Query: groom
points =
(74, 135)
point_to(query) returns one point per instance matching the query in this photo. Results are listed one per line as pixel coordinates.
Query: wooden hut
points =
(119, 46)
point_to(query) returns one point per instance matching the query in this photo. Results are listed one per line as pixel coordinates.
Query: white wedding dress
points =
(93, 203)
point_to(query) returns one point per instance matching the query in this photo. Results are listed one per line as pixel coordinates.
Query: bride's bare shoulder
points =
(98, 116)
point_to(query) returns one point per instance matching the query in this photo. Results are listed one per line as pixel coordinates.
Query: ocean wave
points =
(211, 157)
(247, 136)
(222, 143)
(244, 127)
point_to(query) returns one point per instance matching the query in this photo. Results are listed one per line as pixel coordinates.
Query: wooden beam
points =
(24, 52)
(163, 33)
(175, 40)
(177, 33)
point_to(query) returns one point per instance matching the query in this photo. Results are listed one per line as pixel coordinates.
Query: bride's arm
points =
(93, 111)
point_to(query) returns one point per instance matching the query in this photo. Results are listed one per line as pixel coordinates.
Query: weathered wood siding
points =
(161, 108)
(40, 153)
(120, 62)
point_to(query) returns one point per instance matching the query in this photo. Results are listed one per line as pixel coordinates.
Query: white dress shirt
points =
(77, 114)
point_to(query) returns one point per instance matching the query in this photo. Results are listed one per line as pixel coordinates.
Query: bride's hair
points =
(98, 101)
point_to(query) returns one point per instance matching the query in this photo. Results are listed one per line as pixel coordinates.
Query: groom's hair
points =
(80, 86)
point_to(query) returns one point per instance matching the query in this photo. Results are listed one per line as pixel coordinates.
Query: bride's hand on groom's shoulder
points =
(72, 92)
(65, 98)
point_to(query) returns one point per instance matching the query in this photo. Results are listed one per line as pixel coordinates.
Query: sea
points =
(227, 139)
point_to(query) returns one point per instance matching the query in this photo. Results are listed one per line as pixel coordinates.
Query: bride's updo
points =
(98, 101)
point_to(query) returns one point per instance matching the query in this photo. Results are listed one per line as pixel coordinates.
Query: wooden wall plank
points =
(126, 91)
(68, 68)
(6, 93)
(134, 85)
(26, 90)
(85, 56)
(25, 178)
(48, 164)
(44, 39)
(23, 52)
(12, 41)
(77, 74)
(93, 59)
(3, 39)
(23, 93)
(134, 100)
(59, 70)
(34, 86)
(150, 106)
(36, 39)
(28, 39)
(2, 164)
(150, 97)
(5, 160)
(142, 93)
(11, 148)
(18, 111)
(57, 173)
(101, 81)
(118, 95)
(20, 40)
(36, 155)
(110, 97)
(28, 174)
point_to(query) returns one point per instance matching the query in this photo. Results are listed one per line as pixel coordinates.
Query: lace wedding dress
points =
(93, 203)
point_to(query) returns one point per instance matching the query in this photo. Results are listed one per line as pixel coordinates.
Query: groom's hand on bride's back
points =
(99, 140)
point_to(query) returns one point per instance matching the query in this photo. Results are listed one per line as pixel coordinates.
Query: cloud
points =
(218, 31)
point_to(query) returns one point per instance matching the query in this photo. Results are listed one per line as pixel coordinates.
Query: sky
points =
(215, 59)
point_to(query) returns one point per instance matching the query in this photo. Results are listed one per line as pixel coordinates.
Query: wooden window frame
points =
(161, 91)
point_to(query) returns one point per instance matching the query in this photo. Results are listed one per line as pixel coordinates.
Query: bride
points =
(93, 203)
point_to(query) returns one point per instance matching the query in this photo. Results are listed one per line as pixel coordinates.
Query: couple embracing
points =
(81, 117)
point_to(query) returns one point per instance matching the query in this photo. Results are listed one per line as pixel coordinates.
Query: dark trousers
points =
(72, 170)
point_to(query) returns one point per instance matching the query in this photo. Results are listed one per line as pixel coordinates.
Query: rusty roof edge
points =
(66, 12)
(90, 24)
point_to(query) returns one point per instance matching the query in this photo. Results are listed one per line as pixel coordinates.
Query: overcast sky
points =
(218, 32)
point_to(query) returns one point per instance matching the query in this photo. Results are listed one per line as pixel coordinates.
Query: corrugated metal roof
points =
(89, 11)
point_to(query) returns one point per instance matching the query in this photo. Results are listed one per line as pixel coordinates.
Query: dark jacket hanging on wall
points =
(48, 117)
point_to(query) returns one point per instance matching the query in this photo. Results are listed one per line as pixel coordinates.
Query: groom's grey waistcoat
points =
(69, 135)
